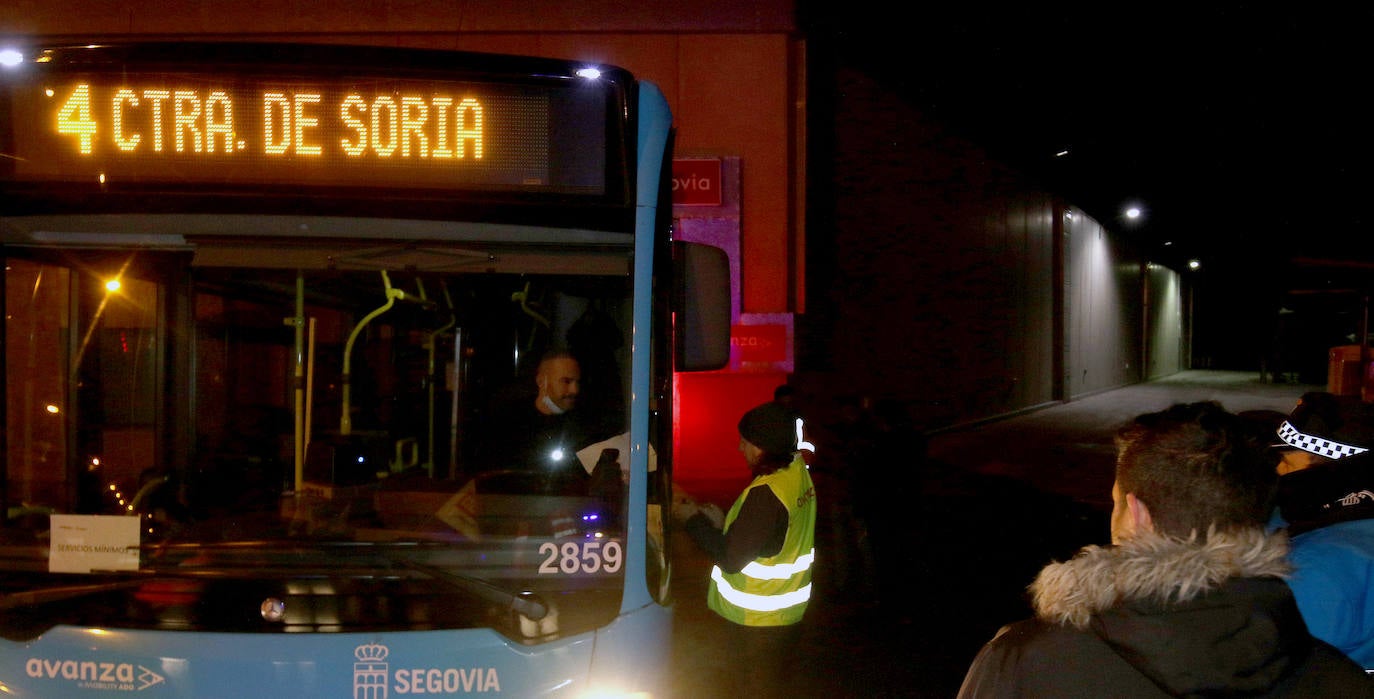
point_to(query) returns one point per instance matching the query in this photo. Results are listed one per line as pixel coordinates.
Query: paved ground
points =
(1001, 500)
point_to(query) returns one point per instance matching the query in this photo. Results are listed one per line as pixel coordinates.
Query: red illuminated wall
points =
(707, 461)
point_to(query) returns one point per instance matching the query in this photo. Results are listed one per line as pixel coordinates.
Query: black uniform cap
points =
(770, 427)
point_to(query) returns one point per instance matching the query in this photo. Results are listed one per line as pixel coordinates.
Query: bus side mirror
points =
(701, 322)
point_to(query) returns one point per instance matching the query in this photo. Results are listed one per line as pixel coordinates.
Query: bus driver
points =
(543, 434)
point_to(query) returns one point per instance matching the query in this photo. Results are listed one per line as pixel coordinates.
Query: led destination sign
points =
(196, 129)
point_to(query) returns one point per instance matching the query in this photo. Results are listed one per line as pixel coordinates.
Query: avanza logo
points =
(93, 674)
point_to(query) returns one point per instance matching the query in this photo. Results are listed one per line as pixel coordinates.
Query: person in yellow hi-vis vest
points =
(762, 550)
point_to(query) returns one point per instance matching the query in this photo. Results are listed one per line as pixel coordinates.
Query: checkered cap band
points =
(1321, 447)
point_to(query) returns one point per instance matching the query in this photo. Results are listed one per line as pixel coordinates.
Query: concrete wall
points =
(941, 270)
(1165, 309)
(1124, 316)
(1104, 297)
(940, 288)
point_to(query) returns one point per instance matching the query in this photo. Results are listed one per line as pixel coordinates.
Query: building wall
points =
(1124, 315)
(1164, 305)
(941, 269)
(1103, 313)
(939, 291)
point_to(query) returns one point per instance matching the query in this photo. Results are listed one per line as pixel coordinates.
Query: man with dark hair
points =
(1189, 601)
(1326, 502)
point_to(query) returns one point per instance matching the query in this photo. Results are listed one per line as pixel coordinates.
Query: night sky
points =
(1235, 125)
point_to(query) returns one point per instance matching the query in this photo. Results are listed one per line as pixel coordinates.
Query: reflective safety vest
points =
(773, 591)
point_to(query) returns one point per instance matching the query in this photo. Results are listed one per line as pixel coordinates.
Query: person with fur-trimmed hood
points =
(1190, 599)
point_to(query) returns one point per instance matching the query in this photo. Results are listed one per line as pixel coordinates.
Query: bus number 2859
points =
(572, 557)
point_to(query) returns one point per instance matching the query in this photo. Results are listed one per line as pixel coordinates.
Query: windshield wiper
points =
(31, 598)
(525, 603)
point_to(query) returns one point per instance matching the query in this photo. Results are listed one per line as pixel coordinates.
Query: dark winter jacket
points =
(1160, 617)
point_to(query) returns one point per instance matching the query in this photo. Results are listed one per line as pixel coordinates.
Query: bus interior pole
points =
(428, 458)
(4, 420)
(346, 419)
(299, 382)
(309, 394)
(431, 375)
(456, 408)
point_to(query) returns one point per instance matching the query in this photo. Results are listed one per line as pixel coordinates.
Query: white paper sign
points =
(621, 442)
(82, 543)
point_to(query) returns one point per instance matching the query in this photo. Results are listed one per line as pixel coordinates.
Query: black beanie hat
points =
(1328, 425)
(770, 427)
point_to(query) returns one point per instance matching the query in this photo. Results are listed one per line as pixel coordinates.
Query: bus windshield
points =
(321, 436)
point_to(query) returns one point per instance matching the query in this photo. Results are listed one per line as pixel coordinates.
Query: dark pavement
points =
(999, 501)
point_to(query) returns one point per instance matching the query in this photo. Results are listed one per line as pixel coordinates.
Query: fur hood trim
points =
(1153, 567)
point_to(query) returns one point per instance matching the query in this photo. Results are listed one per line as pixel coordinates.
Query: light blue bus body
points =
(626, 657)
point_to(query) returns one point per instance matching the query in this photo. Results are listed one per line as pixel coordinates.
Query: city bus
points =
(274, 321)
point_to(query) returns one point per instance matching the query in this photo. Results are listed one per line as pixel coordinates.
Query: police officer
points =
(1326, 501)
(762, 550)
